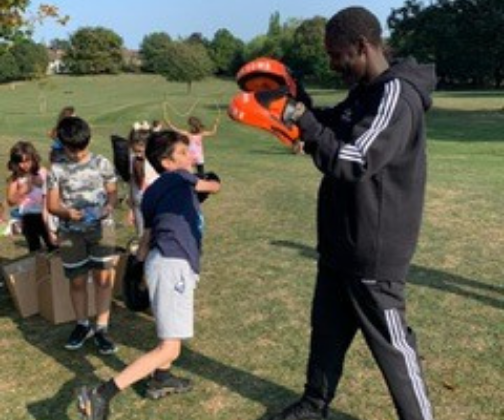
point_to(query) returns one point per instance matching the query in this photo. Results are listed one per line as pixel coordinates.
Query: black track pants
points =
(343, 305)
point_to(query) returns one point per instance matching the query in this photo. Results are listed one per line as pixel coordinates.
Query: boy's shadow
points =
(126, 327)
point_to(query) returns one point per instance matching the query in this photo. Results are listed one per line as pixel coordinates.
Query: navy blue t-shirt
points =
(171, 210)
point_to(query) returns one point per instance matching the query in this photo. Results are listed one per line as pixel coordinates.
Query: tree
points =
(59, 44)
(198, 38)
(15, 24)
(274, 27)
(276, 43)
(31, 58)
(153, 47)
(226, 51)
(185, 62)
(460, 36)
(306, 55)
(9, 70)
(94, 50)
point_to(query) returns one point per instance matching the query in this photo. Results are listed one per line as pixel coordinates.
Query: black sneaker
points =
(170, 385)
(302, 410)
(91, 405)
(78, 336)
(103, 342)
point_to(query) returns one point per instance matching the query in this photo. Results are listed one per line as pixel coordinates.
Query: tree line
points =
(462, 37)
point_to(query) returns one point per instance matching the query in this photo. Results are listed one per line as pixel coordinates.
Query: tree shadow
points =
(468, 126)
(48, 339)
(428, 277)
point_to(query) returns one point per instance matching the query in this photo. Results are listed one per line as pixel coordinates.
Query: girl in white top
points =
(142, 173)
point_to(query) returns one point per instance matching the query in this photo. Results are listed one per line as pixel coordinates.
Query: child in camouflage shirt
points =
(82, 194)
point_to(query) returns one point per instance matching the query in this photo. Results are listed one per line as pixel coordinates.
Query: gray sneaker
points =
(91, 405)
(170, 385)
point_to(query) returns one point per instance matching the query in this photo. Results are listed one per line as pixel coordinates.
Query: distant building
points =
(132, 60)
(56, 65)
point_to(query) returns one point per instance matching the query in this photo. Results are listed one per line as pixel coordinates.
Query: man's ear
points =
(362, 45)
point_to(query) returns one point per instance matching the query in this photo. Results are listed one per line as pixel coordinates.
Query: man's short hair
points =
(161, 145)
(349, 25)
(73, 133)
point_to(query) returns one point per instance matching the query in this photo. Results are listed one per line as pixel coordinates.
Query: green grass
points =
(248, 356)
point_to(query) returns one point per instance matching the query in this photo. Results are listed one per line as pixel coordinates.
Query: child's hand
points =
(74, 214)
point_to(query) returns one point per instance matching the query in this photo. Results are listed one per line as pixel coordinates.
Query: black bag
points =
(135, 292)
(120, 151)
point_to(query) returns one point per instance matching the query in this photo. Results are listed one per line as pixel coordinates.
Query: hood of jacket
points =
(422, 77)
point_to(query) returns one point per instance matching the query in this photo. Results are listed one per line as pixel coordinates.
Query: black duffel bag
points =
(135, 292)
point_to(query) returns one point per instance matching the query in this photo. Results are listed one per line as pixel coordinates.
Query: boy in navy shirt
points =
(171, 246)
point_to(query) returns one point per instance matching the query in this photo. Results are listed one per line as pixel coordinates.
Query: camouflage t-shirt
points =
(82, 187)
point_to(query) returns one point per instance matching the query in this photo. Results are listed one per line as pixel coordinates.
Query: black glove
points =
(208, 176)
(302, 95)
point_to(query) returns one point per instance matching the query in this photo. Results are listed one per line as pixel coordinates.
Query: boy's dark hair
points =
(349, 25)
(74, 133)
(17, 153)
(161, 145)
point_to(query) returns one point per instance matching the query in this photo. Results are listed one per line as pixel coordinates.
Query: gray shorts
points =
(94, 249)
(171, 284)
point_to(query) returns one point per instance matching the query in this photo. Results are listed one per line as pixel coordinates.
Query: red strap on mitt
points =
(265, 73)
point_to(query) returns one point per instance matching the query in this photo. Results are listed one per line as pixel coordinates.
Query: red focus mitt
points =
(269, 110)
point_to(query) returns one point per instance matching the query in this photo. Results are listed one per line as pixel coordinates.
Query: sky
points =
(132, 19)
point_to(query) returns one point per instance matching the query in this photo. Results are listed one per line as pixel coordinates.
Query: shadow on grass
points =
(49, 339)
(468, 126)
(427, 277)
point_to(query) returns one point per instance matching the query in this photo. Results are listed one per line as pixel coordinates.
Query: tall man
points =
(371, 151)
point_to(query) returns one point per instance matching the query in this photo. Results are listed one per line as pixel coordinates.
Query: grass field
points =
(248, 356)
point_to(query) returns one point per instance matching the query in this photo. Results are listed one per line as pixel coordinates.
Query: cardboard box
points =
(54, 291)
(21, 280)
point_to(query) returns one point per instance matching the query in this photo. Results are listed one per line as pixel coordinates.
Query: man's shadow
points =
(126, 327)
(428, 277)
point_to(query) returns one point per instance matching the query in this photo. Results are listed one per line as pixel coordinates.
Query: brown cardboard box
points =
(54, 291)
(21, 280)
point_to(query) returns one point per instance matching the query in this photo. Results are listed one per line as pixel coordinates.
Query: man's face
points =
(348, 60)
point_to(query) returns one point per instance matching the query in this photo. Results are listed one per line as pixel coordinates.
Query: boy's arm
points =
(143, 246)
(207, 186)
(110, 205)
(55, 207)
